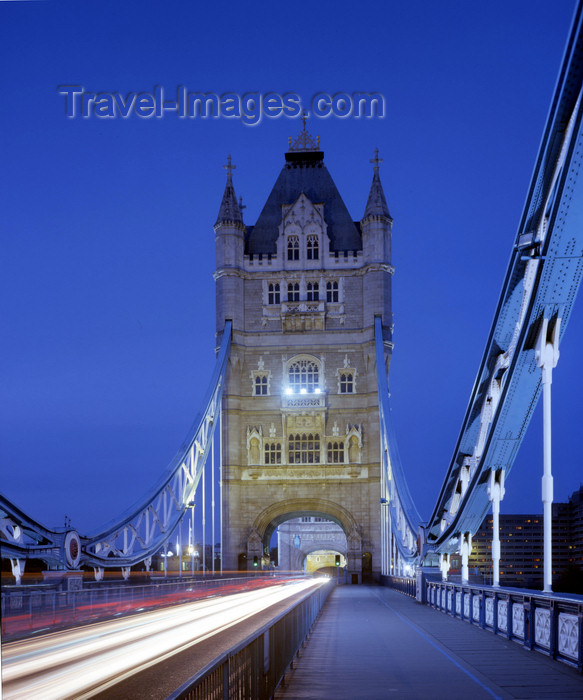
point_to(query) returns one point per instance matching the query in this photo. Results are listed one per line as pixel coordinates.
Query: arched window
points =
(303, 376)
(332, 292)
(273, 453)
(335, 452)
(273, 296)
(304, 448)
(261, 385)
(293, 291)
(346, 383)
(313, 291)
(293, 248)
(313, 249)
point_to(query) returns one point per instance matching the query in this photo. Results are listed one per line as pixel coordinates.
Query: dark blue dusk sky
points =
(107, 240)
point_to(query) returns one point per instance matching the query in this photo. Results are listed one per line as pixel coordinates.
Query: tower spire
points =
(376, 204)
(229, 210)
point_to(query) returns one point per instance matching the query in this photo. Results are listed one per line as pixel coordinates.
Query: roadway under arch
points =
(277, 513)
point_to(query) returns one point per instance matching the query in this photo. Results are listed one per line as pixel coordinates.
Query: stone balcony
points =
(303, 315)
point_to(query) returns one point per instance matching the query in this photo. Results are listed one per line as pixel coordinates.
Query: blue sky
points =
(108, 250)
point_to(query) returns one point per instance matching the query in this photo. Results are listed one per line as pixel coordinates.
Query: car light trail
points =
(84, 660)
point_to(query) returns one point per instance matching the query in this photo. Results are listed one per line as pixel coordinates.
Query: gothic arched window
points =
(273, 453)
(332, 292)
(313, 248)
(346, 383)
(261, 385)
(273, 295)
(335, 452)
(304, 376)
(304, 448)
(293, 291)
(293, 248)
(313, 291)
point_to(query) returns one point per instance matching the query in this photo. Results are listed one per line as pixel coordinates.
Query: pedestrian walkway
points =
(372, 642)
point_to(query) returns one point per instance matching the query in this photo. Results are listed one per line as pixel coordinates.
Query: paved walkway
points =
(373, 642)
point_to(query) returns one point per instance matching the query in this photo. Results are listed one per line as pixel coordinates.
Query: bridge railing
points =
(404, 584)
(552, 625)
(255, 668)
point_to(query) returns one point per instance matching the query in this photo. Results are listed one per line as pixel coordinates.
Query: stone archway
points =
(272, 516)
(331, 552)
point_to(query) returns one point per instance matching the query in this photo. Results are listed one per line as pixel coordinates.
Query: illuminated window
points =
(273, 453)
(313, 248)
(304, 448)
(332, 292)
(293, 291)
(313, 291)
(303, 375)
(335, 452)
(293, 248)
(274, 296)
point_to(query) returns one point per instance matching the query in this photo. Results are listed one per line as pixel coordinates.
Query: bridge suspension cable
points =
(403, 521)
(143, 529)
(543, 277)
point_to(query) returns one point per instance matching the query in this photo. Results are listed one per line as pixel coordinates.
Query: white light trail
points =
(81, 661)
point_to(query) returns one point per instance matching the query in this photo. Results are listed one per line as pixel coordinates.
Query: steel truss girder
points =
(140, 532)
(542, 281)
(21, 537)
(405, 519)
(148, 526)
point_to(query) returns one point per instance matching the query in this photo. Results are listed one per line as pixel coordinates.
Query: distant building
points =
(521, 544)
(300, 537)
(576, 519)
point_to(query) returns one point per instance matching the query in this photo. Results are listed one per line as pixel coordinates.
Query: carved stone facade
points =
(300, 431)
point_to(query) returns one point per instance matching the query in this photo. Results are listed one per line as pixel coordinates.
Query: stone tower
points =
(300, 431)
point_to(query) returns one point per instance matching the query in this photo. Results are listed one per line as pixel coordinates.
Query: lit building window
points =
(293, 248)
(332, 292)
(303, 377)
(304, 448)
(273, 296)
(335, 452)
(313, 248)
(293, 291)
(273, 453)
(313, 291)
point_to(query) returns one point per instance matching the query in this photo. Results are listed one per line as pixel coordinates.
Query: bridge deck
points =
(373, 642)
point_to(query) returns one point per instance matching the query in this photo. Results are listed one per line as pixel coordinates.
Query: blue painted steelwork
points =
(143, 529)
(405, 519)
(24, 537)
(542, 281)
(543, 277)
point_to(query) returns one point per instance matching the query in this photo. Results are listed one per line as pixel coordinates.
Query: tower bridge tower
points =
(300, 429)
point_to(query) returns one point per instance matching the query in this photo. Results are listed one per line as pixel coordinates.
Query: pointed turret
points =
(376, 224)
(229, 211)
(229, 247)
(376, 204)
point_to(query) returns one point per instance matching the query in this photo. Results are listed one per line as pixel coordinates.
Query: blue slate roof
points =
(304, 171)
